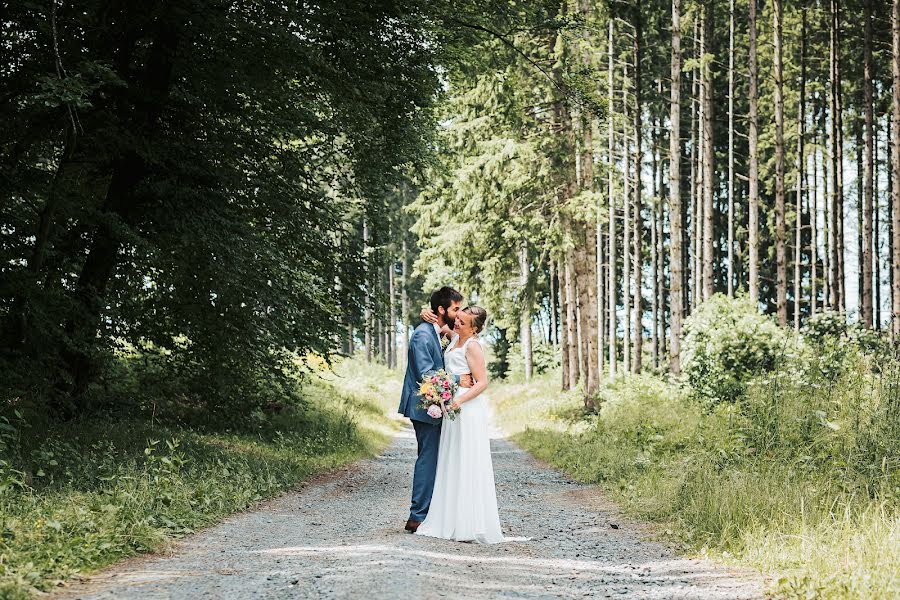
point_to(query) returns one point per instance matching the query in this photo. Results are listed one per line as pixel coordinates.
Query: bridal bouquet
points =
(437, 393)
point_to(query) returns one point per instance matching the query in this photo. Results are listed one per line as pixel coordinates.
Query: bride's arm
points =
(429, 317)
(475, 358)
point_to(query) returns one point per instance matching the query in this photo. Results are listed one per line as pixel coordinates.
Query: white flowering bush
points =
(726, 343)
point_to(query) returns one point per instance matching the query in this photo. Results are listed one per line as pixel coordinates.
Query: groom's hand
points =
(466, 380)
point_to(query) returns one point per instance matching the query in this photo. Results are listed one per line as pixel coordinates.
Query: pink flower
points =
(446, 384)
(434, 379)
(445, 395)
(434, 411)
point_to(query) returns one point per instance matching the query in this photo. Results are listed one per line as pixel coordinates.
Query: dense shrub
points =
(498, 364)
(835, 342)
(726, 343)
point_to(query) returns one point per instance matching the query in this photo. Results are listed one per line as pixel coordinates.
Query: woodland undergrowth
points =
(791, 466)
(78, 496)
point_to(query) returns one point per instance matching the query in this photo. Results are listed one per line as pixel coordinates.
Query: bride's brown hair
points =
(479, 317)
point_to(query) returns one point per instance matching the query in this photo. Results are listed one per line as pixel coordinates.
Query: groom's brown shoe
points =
(411, 525)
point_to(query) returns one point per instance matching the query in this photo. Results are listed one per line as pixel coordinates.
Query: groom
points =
(425, 357)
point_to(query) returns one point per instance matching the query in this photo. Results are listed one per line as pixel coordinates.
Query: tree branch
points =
(474, 26)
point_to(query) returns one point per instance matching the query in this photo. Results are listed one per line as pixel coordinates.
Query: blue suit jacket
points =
(424, 358)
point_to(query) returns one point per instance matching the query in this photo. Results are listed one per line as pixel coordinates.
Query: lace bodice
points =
(455, 358)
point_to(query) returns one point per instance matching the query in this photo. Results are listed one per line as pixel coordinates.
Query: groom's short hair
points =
(444, 297)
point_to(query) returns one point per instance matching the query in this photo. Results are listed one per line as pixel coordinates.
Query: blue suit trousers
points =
(428, 438)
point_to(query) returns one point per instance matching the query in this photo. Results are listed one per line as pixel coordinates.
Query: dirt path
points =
(340, 536)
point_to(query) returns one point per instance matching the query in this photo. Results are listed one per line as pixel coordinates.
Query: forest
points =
(690, 207)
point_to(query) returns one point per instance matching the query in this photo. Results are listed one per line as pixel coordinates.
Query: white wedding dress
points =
(464, 502)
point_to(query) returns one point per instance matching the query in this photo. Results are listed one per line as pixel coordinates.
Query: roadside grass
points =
(803, 490)
(75, 498)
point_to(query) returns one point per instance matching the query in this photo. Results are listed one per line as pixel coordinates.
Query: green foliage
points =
(493, 188)
(726, 343)
(187, 185)
(106, 489)
(499, 363)
(835, 342)
(798, 476)
(544, 359)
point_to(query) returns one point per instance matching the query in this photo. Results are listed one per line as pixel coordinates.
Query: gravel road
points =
(341, 536)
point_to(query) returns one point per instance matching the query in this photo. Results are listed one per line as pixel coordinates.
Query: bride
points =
(464, 502)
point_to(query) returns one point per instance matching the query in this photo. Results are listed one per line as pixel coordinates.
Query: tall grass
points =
(77, 497)
(799, 478)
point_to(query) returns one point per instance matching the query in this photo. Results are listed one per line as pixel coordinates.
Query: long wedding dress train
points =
(464, 502)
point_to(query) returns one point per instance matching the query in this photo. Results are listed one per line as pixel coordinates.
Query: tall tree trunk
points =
(753, 201)
(525, 319)
(17, 337)
(392, 318)
(584, 265)
(889, 147)
(780, 253)
(700, 155)
(560, 269)
(801, 172)
(98, 269)
(859, 150)
(571, 323)
(708, 150)
(120, 206)
(626, 236)
(587, 276)
(693, 236)
(554, 315)
(655, 217)
(837, 168)
(826, 210)
(367, 311)
(834, 276)
(380, 329)
(730, 191)
(813, 202)
(876, 239)
(404, 305)
(588, 254)
(601, 298)
(611, 254)
(580, 330)
(660, 238)
(868, 168)
(675, 211)
(895, 173)
(638, 261)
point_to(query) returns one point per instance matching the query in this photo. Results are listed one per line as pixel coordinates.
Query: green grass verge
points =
(818, 527)
(85, 495)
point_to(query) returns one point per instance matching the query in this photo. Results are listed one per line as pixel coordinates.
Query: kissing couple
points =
(453, 494)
